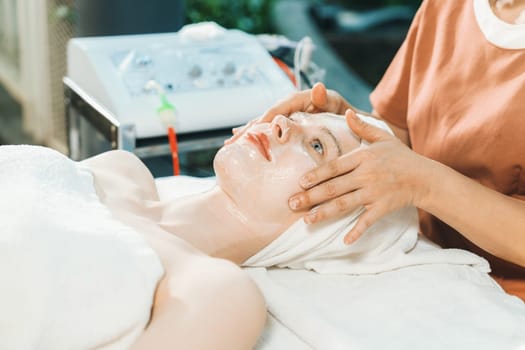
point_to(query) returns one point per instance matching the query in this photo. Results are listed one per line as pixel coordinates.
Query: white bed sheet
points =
(434, 306)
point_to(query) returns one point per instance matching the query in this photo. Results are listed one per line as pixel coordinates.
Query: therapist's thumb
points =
(363, 130)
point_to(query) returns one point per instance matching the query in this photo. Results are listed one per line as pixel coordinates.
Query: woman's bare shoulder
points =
(115, 160)
(122, 171)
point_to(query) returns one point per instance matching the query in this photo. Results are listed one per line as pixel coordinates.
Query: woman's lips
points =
(262, 143)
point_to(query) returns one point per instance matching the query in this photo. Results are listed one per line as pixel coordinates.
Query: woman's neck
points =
(213, 223)
(510, 11)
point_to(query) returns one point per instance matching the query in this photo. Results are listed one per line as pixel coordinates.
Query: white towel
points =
(427, 306)
(387, 245)
(320, 247)
(73, 277)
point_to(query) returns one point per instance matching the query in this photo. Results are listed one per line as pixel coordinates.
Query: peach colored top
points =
(457, 85)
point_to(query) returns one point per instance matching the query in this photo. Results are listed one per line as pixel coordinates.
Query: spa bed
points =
(428, 305)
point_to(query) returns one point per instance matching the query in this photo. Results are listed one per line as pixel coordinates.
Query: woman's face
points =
(261, 170)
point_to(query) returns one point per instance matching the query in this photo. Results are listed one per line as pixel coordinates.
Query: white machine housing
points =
(215, 78)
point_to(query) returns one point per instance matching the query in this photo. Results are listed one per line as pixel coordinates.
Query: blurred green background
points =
(254, 15)
(361, 4)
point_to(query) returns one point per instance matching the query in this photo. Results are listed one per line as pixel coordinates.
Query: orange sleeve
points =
(514, 287)
(390, 98)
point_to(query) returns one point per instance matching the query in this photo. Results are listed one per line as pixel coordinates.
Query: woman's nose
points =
(281, 128)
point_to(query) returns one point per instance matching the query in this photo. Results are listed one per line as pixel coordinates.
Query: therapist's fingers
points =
(241, 129)
(296, 102)
(317, 99)
(325, 100)
(366, 219)
(349, 161)
(364, 130)
(332, 188)
(319, 96)
(238, 132)
(341, 165)
(329, 100)
(334, 208)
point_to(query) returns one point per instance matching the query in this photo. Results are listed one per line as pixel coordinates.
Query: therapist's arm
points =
(491, 220)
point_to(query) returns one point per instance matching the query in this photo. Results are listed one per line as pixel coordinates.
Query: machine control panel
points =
(216, 78)
(187, 70)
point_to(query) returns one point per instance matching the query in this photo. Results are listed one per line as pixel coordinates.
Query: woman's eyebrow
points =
(332, 136)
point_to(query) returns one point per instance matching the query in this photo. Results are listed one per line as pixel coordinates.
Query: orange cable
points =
(174, 150)
(286, 69)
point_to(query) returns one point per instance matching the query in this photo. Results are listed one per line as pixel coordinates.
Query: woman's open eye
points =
(317, 146)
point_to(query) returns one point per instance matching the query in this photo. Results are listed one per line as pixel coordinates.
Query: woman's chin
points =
(235, 162)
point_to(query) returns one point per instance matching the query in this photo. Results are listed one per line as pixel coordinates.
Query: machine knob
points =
(143, 61)
(195, 71)
(229, 68)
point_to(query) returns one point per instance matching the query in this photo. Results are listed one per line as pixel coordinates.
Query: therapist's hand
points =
(315, 100)
(383, 177)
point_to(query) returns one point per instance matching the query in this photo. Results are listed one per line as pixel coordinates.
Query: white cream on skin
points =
(253, 182)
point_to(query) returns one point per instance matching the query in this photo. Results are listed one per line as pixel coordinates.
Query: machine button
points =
(143, 61)
(229, 68)
(195, 71)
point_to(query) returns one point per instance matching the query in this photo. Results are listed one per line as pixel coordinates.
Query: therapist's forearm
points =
(491, 220)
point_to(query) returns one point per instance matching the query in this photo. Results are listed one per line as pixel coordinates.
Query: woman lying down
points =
(92, 258)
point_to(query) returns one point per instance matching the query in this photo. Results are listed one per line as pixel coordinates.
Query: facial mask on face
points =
(320, 247)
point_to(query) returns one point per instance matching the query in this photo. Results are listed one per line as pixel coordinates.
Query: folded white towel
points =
(387, 245)
(320, 247)
(73, 277)
(427, 306)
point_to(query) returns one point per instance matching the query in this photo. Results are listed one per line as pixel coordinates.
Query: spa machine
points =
(117, 86)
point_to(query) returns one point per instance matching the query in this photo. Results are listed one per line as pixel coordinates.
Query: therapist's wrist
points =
(428, 179)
